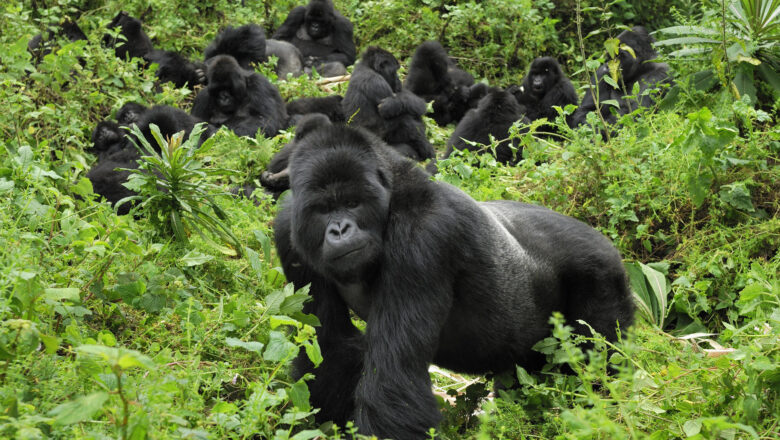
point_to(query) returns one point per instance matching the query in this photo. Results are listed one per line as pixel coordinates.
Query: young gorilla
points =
(438, 278)
(493, 116)
(633, 70)
(545, 86)
(175, 68)
(374, 100)
(433, 76)
(136, 43)
(323, 36)
(242, 100)
(172, 66)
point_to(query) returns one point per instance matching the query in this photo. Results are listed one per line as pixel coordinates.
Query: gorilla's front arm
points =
(393, 398)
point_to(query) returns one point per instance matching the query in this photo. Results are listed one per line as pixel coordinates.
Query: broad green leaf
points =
(692, 427)
(279, 348)
(307, 434)
(117, 357)
(277, 320)
(659, 288)
(195, 258)
(738, 196)
(131, 358)
(689, 30)
(546, 345)
(62, 293)
(743, 80)
(313, 352)
(253, 346)
(299, 395)
(78, 410)
(687, 40)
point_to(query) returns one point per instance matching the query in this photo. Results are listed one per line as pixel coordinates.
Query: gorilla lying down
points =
(438, 278)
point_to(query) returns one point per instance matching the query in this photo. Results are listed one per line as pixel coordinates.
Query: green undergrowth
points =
(114, 327)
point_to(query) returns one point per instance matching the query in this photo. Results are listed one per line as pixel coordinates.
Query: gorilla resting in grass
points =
(543, 88)
(115, 148)
(638, 70)
(494, 116)
(438, 278)
(323, 36)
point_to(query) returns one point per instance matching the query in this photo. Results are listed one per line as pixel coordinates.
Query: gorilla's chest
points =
(302, 35)
(356, 297)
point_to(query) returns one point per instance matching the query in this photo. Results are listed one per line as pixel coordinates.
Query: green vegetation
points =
(179, 323)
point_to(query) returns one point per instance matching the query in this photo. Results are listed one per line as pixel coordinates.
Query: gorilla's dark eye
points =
(320, 208)
(352, 204)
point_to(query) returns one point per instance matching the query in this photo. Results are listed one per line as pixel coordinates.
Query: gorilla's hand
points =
(200, 72)
(390, 107)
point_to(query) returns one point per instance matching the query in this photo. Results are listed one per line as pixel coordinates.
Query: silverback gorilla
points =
(323, 36)
(438, 278)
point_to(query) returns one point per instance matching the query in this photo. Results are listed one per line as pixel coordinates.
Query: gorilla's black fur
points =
(276, 177)
(175, 68)
(438, 278)
(374, 100)
(494, 115)
(545, 86)
(130, 113)
(114, 145)
(246, 44)
(172, 66)
(242, 100)
(404, 129)
(434, 76)
(639, 70)
(136, 43)
(323, 36)
(330, 106)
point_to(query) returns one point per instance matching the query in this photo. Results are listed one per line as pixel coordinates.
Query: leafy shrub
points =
(173, 192)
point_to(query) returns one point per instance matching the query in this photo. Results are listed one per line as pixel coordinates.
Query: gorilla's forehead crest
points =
(334, 154)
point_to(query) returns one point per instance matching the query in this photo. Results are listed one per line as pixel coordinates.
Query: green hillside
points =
(137, 326)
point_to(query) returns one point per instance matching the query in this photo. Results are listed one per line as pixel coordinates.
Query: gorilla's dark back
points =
(494, 115)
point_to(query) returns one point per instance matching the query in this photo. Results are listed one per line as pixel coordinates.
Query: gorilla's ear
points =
(384, 179)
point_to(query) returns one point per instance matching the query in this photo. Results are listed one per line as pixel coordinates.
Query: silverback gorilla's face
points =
(319, 19)
(341, 202)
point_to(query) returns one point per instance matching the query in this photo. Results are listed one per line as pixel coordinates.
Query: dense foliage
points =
(145, 327)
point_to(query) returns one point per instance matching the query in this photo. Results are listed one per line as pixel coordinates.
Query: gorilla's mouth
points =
(350, 252)
(537, 88)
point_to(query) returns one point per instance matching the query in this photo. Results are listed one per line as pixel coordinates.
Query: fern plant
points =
(748, 40)
(173, 192)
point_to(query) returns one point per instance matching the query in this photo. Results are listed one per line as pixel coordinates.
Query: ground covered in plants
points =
(117, 327)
